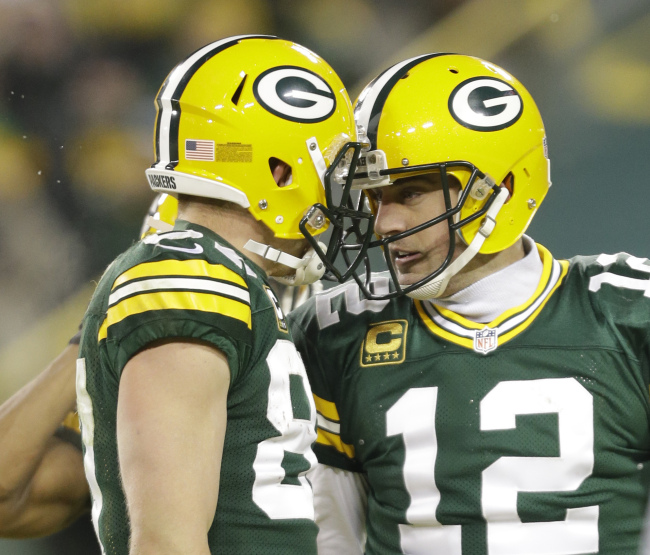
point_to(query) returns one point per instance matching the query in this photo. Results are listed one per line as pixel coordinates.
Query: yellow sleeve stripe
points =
(71, 421)
(193, 268)
(178, 300)
(332, 440)
(326, 408)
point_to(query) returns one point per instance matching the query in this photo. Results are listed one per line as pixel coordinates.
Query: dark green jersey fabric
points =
(190, 284)
(526, 436)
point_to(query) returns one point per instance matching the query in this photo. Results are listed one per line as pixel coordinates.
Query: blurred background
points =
(78, 79)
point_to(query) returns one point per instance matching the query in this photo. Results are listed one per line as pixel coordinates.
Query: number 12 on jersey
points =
(413, 416)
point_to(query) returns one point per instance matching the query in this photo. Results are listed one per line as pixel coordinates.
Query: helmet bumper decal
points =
(174, 182)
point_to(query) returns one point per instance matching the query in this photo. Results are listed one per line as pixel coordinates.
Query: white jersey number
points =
(276, 499)
(616, 280)
(413, 416)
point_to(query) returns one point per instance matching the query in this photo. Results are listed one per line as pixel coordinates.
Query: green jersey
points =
(528, 435)
(190, 284)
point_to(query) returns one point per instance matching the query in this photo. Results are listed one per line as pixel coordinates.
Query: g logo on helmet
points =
(295, 94)
(485, 104)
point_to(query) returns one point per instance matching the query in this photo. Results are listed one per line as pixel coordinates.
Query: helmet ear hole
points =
(281, 172)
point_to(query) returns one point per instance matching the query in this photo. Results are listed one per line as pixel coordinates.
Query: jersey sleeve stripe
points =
(326, 408)
(176, 300)
(173, 283)
(191, 268)
(328, 425)
(333, 440)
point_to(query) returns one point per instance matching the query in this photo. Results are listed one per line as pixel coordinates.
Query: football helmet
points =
(460, 116)
(234, 109)
(161, 215)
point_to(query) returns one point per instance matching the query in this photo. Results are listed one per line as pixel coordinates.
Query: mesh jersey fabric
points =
(190, 284)
(529, 434)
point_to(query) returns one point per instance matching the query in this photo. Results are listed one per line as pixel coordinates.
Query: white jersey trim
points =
(184, 284)
(85, 411)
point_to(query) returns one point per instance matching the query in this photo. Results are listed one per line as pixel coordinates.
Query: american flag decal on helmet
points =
(199, 150)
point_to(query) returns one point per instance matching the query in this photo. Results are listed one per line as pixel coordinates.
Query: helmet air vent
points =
(235, 97)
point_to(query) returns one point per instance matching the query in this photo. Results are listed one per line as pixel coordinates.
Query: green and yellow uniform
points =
(189, 284)
(527, 435)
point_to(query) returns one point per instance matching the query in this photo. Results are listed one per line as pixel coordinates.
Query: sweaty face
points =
(402, 206)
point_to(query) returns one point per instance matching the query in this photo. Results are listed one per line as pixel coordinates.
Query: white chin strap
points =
(309, 268)
(159, 225)
(436, 287)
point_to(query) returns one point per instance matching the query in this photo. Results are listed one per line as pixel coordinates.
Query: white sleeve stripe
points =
(328, 425)
(184, 284)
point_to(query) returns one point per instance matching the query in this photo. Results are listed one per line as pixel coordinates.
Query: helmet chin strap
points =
(436, 287)
(309, 268)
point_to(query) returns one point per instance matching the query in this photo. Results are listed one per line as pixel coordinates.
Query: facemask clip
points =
(482, 188)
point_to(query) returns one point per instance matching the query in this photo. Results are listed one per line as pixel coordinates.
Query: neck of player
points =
(237, 226)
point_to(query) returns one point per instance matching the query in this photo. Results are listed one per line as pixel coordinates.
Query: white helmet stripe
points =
(371, 100)
(170, 93)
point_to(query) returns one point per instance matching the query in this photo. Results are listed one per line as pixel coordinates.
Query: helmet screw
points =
(263, 204)
(279, 219)
(312, 146)
(532, 204)
(372, 159)
(405, 161)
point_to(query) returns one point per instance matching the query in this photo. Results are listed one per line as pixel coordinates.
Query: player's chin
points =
(410, 274)
(408, 278)
(294, 247)
(279, 270)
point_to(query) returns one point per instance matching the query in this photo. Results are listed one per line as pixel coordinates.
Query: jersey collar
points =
(486, 337)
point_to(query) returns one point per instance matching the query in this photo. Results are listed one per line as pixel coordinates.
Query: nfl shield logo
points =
(485, 340)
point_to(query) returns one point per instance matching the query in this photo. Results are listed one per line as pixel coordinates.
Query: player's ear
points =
(281, 171)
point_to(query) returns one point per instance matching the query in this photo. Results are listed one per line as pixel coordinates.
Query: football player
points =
(43, 488)
(196, 415)
(481, 396)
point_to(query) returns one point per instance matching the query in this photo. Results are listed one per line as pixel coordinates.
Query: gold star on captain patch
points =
(368, 358)
(377, 357)
(395, 356)
(386, 356)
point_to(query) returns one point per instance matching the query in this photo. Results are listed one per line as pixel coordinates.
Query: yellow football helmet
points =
(228, 113)
(161, 215)
(461, 116)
